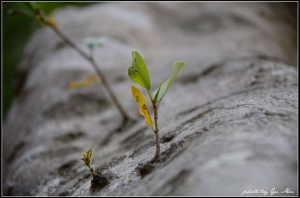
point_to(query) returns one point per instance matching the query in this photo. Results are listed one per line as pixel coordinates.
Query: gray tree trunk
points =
(228, 124)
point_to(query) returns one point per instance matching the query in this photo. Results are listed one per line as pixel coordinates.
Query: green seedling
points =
(33, 11)
(138, 73)
(87, 160)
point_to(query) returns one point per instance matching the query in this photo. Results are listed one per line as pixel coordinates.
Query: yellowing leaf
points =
(72, 85)
(90, 80)
(38, 17)
(46, 21)
(85, 82)
(52, 21)
(84, 155)
(139, 97)
(87, 157)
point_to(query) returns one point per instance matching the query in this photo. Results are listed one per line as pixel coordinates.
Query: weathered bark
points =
(228, 124)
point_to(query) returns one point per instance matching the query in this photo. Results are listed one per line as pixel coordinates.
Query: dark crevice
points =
(175, 149)
(70, 136)
(57, 153)
(167, 138)
(121, 128)
(209, 23)
(66, 168)
(210, 69)
(129, 141)
(77, 105)
(15, 151)
(217, 100)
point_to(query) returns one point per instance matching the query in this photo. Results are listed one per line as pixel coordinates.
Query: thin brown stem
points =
(156, 131)
(98, 71)
(92, 172)
(70, 43)
(110, 91)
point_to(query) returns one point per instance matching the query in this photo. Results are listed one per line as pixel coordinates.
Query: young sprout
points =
(87, 160)
(138, 73)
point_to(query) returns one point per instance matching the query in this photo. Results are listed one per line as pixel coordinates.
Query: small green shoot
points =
(87, 160)
(138, 73)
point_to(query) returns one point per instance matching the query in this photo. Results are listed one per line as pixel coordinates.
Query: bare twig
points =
(126, 118)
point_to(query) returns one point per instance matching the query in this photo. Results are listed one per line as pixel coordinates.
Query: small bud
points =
(87, 159)
(46, 21)
(92, 42)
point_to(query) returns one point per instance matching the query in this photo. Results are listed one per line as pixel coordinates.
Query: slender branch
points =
(112, 95)
(70, 43)
(156, 131)
(98, 71)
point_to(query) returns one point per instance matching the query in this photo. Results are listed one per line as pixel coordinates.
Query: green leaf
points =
(33, 5)
(156, 95)
(138, 71)
(162, 90)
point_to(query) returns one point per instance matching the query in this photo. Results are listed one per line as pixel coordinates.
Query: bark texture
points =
(228, 124)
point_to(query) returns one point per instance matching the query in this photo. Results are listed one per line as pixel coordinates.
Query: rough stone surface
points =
(228, 124)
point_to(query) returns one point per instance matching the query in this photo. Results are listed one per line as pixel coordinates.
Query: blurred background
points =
(16, 31)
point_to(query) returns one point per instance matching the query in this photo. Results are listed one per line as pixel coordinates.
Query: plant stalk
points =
(156, 131)
(91, 169)
(98, 71)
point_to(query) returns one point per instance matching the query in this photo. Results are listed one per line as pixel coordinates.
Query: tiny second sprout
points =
(138, 73)
(87, 160)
